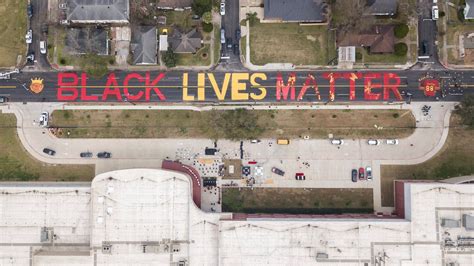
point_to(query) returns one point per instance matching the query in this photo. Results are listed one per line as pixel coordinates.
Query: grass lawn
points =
(297, 200)
(455, 159)
(275, 123)
(217, 43)
(17, 165)
(12, 31)
(181, 19)
(201, 58)
(243, 47)
(381, 58)
(289, 43)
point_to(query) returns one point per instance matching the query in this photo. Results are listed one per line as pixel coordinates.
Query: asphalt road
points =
(453, 85)
(37, 21)
(230, 23)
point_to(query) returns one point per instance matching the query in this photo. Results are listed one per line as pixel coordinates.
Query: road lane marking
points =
(7, 87)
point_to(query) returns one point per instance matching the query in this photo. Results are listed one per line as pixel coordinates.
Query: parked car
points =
(236, 49)
(434, 13)
(237, 34)
(361, 173)
(29, 10)
(29, 36)
(49, 151)
(30, 57)
(368, 172)
(300, 176)
(44, 119)
(104, 155)
(337, 141)
(354, 175)
(392, 141)
(283, 141)
(43, 47)
(278, 171)
(222, 36)
(373, 142)
(255, 141)
(3, 99)
(229, 43)
(222, 9)
(424, 48)
(86, 154)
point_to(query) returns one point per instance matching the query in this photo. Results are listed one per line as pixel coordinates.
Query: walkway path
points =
(329, 165)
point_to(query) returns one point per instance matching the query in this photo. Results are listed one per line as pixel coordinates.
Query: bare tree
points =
(351, 15)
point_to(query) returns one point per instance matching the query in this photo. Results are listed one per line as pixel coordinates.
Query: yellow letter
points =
(220, 93)
(237, 86)
(255, 84)
(186, 97)
(201, 86)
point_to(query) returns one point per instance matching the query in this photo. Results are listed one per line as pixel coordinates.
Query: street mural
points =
(36, 85)
(144, 87)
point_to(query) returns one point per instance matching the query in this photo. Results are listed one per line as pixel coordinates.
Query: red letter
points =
(153, 85)
(310, 82)
(368, 86)
(281, 88)
(129, 96)
(352, 81)
(332, 84)
(393, 87)
(84, 96)
(111, 80)
(60, 94)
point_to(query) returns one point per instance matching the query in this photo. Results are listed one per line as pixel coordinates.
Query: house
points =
(174, 4)
(303, 11)
(87, 40)
(380, 39)
(382, 7)
(469, 9)
(97, 11)
(144, 45)
(189, 42)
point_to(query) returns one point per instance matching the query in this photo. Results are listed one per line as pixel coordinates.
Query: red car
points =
(361, 173)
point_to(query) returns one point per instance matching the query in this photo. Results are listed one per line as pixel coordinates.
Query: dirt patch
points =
(455, 159)
(271, 124)
(297, 200)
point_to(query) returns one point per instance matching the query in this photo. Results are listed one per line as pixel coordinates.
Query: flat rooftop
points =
(147, 217)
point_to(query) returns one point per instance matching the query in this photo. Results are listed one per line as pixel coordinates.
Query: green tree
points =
(466, 110)
(401, 30)
(252, 18)
(207, 17)
(201, 6)
(207, 27)
(401, 49)
(169, 58)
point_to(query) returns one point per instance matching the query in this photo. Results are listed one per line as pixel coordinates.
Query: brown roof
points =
(380, 39)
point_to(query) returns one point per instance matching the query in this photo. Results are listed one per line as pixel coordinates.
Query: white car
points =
(222, 9)
(435, 13)
(43, 47)
(373, 142)
(392, 141)
(337, 142)
(368, 172)
(44, 119)
(29, 36)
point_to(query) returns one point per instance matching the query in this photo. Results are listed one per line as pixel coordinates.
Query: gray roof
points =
(88, 40)
(295, 10)
(97, 10)
(185, 43)
(468, 222)
(469, 9)
(450, 223)
(382, 7)
(144, 45)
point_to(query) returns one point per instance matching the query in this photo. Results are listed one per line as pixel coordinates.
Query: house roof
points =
(382, 7)
(143, 45)
(97, 10)
(86, 40)
(185, 43)
(174, 3)
(469, 10)
(295, 10)
(379, 38)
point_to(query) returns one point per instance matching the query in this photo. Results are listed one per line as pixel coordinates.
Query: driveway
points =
(325, 165)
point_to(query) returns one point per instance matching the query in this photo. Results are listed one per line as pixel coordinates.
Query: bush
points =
(207, 27)
(461, 14)
(62, 61)
(442, 14)
(401, 49)
(207, 17)
(401, 30)
(169, 58)
(201, 6)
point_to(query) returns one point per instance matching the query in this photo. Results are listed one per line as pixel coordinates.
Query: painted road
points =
(298, 86)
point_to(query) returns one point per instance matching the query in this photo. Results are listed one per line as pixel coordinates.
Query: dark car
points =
(361, 173)
(29, 10)
(3, 99)
(278, 171)
(86, 154)
(104, 155)
(229, 43)
(354, 175)
(424, 48)
(237, 34)
(49, 151)
(30, 57)
(236, 49)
